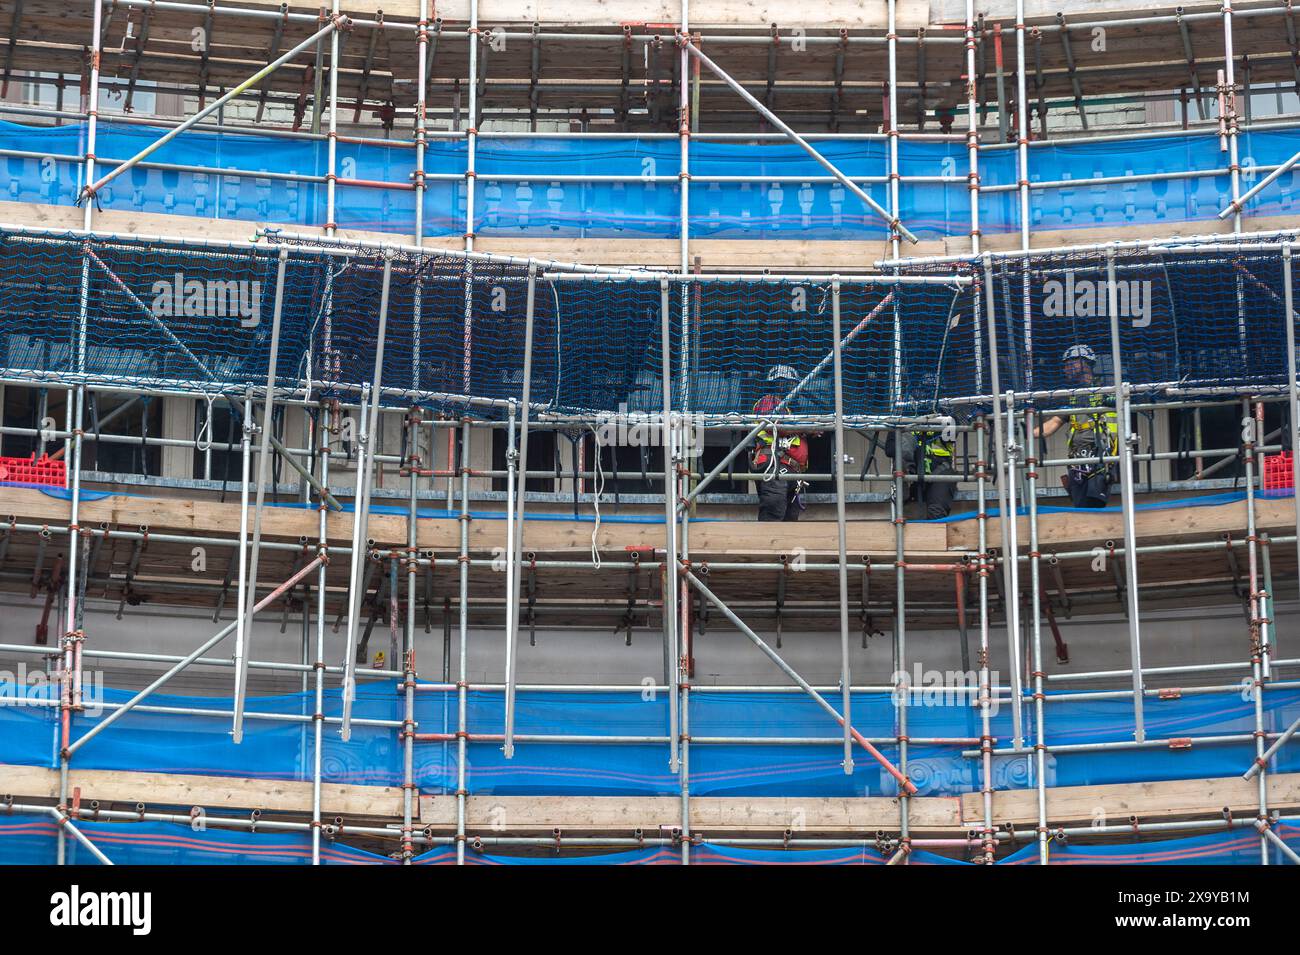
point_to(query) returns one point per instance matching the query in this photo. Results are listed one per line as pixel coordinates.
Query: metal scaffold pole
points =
(1035, 597)
(74, 637)
(462, 679)
(1258, 622)
(1126, 442)
(323, 442)
(671, 449)
(515, 549)
(972, 135)
(244, 635)
(1004, 472)
(841, 525)
(410, 789)
(367, 437)
(989, 843)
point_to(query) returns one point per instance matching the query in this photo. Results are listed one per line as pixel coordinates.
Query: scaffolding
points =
(394, 329)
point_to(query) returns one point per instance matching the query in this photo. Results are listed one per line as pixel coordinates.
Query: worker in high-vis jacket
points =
(929, 453)
(779, 456)
(1094, 432)
(934, 456)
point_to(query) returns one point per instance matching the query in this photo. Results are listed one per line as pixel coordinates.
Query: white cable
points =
(774, 454)
(203, 441)
(599, 488)
(559, 353)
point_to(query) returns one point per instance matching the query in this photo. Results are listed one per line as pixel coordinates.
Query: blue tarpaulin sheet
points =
(28, 839)
(50, 171)
(275, 749)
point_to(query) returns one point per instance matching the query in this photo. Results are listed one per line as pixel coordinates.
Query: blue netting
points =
(1193, 318)
(199, 319)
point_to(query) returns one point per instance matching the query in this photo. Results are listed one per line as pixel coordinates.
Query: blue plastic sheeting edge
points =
(1206, 500)
(29, 839)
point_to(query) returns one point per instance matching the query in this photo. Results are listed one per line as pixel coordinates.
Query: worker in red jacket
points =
(779, 456)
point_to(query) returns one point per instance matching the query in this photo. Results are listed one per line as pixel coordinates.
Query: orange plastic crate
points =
(1279, 478)
(32, 470)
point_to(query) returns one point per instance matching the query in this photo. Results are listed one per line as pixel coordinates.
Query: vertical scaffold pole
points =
(1126, 491)
(1006, 515)
(421, 117)
(1022, 157)
(241, 590)
(1040, 738)
(684, 185)
(1230, 98)
(841, 521)
(70, 665)
(369, 434)
(671, 445)
(332, 142)
(972, 136)
(462, 680)
(1011, 531)
(471, 160)
(409, 789)
(891, 35)
(318, 713)
(515, 481)
(244, 635)
(1252, 434)
(421, 137)
(512, 637)
(70, 660)
(986, 690)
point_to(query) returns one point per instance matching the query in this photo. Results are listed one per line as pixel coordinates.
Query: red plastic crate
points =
(33, 471)
(1279, 478)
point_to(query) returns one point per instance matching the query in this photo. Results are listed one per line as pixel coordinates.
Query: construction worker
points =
(929, 453)
(779, 456)
(935, 452)
(1092, 436)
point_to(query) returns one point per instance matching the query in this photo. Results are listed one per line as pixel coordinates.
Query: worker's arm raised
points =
(1049, 427)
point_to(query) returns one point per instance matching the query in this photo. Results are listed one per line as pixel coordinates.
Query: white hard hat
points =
(781, 373)
(1079, 351)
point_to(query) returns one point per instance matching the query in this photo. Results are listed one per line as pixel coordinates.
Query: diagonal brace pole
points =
(80, 836)
(904, 783)
(336, 22)
(1261, 762)
(276, 443)
(147, 311)
(1236, 206)
(785, 403)
(894, 222)
(180, 665)
(1274, 838)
